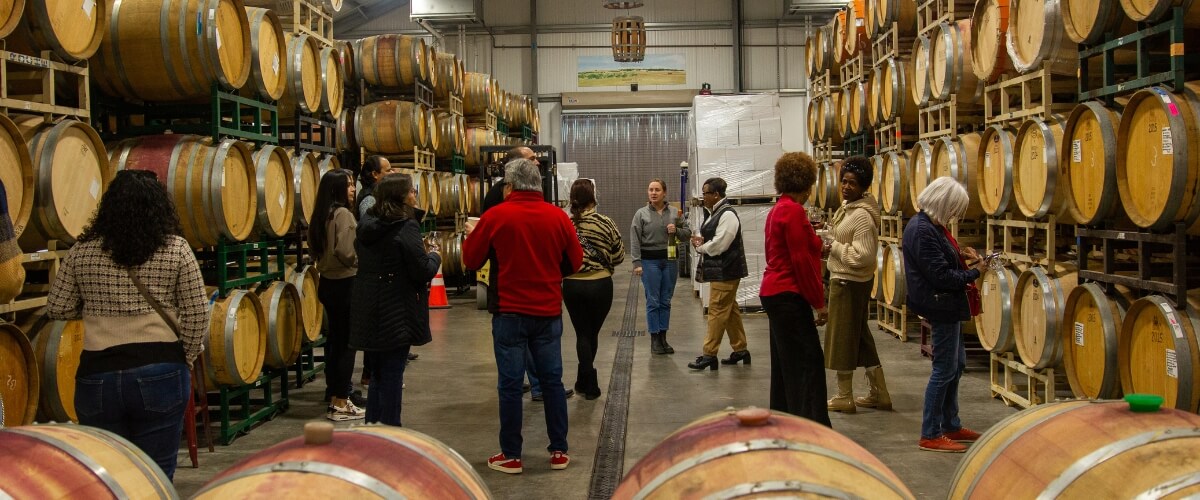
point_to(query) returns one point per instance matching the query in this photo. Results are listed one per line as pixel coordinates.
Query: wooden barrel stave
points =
(989, 35)
(1090, 163)
(893, 178)
(236, 347)
(901, 12)
(304, 89)
(392, 60)
(922, 66)
(19, 370)
(952, 71)
(75, 461)
(1092, 320)
(997, 152)
(57, 348)
(391, 127)
(994, 325)
(895, 291)
(1087, 21)
(16, 174)
(62, 204)
(268, 48)
(1036, 35)
(958, 158)
(332, 81)
(285, 326)
(1157, 175)
(1038, 306)
(307, 176)
(72, 29)
(306, 280)
(1158, 351)
(1139, 451)
(276, 193)
(1037, 179)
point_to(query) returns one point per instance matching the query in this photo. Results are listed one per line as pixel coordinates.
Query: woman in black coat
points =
(391, 302)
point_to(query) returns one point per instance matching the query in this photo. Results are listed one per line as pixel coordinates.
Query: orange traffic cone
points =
(437, 292)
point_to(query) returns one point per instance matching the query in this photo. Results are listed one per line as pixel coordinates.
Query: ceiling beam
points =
(364, 14)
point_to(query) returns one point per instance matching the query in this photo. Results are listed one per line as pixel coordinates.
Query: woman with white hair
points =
(938, 278)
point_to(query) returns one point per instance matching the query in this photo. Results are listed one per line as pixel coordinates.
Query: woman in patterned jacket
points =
(588, 293)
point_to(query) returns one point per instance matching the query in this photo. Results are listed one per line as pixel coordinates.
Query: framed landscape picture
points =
(657, 69)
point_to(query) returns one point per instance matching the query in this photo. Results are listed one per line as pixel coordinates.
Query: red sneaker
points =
(941, 444)
(559, 460)
(963, 435)
(504, 464)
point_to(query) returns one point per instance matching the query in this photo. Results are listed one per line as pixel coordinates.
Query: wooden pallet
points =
(34, 296)
(888, 44)
(890, 137)
(1025, 241)
(969, 232)
(941, 119)
(893, 320)
(821, 85)
(826, 151)
(307, 17)
(29, 85)
(419, 159)
(854, 70)
(1012, 100)
(932, 12)
(1022, 386)
(891, 228)
(453, 104)
(486, 120)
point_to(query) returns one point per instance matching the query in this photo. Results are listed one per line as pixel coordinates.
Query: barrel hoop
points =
(1006, 166)
(45, 167)
(273, 323)
(1183, 350)
(115, 41)
(100, 471)
(1087, 462)
(51, 375)
(207, 35)
(164, 27)
(229, 331)
(1170, 487)
(319, 468)
(748, 489)
(1049, 297)
(757, 445)
(1111, 331)
(199, 232)
(901, 291)
(141, 461)
(424, 454)
(1005, 286)
(214, 192)
(1050, 413)
(1050, 155)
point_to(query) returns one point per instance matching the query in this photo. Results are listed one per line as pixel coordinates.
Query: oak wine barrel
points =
(854, 109)
(1158, 173)
(327, 163)
(1158, 352)
(1038, 305)
(195, 44)
(449, 70)
(57, 348)
(276, 193)
(754, 452)
(1036, 35)
(893, 181)
(877, 281)
(391, 127)
(306, 280)
(829, 196)
(1090, 163)
(237, 340)
(214, 186)
(327, 463)
(994, 325)
(901, 12)
(854, 37)
(72, 29)
(920, 170)
(477, 93)
(446, 129)
(285, 325)
(269, 50)
(922, 66)
(997, 150)
(451, 244)
(989, 39)
(429, 197)
(474, 195)
(304, 90)
(306, 178)
(877, 168)
(812, 54)
(1154, 10)
(1087, 21)
(1101, 449)
(1092, 323)
(839, 112)
(11, 12)
(1037, 179)
(953, 71)
(392, 60)
(449, 193)
(75, 461)
(19, 371)
(477, 137)
(345, 51)
(893, 94)
(958, 158)
(345, 130)
(71, 171)
(332, 81)
(16, 174)
(895, 289)
(814, 121)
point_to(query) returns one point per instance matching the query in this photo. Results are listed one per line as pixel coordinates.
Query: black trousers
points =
(588, 303)
(797, 362)
(334, 294)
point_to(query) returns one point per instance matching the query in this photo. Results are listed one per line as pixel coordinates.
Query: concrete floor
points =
(451, 396)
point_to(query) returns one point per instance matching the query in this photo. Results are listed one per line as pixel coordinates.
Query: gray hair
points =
(523, 175)
(944, 200)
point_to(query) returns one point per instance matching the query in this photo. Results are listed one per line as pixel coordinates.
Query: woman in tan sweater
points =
(851, 247)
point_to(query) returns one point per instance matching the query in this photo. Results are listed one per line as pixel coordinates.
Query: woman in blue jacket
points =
(937, 277)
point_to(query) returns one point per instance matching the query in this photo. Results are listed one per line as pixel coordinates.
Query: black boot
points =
(591, 386)
(735, 356)
(666, 347)
(656, 344)
(703, 362)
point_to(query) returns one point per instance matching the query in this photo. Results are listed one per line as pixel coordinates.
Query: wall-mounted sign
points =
(656, 69)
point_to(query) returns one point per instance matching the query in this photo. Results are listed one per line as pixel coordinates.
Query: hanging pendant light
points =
(629, 39)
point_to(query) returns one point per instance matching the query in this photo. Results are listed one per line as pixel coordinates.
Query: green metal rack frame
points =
(216, 261)
(501, 126)
(1173, 28)
(457, 164)
(307, 367)
(228, 115)
(858, 144)
(268, 406)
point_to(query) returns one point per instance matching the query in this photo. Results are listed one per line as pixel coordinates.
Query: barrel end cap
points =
(318, 433)
(1144, 403)
(753, 417)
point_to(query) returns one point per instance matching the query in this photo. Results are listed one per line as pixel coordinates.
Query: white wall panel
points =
(551, 133)
(654, 11)
(760, 71)
(792, 69)
(508, 12)
(793, 110)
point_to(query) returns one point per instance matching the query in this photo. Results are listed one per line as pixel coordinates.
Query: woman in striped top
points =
(588, 293)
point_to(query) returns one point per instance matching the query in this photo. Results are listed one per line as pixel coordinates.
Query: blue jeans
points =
(941, 395)
(144, 405)
(658, 278)
(512, 335)
(385, 395)
(535, 387)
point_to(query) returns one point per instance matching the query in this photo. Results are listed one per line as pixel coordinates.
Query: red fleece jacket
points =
(534, 246)
(793, 254)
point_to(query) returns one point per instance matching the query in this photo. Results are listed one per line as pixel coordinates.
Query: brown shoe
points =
(963, 435)
(941, 444)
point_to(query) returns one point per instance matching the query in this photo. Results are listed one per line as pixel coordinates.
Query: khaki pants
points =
(723, 315)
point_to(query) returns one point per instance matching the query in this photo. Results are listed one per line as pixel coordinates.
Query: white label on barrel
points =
(1167, 146)
(275, 64)
(218, 33)
(1172, 364)
(1077, 151)
(282, 200)
(1079, 334)
(88, 5)
(95, 189)
(1169, 313)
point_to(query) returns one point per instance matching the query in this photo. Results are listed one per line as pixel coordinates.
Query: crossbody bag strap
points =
(153, 302)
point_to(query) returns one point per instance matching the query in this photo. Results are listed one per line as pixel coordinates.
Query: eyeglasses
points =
(706, 193)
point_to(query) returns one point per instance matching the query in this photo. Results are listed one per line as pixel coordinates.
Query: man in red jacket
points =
(533, 246)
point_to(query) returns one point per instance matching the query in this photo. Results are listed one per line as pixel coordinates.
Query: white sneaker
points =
(344, 413)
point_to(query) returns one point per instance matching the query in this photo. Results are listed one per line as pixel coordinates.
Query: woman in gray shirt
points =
(657, 228)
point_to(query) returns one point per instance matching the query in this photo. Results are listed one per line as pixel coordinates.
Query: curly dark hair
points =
(862, 169)
(332, 193)
(135, 218)
(390, 195)
(583, 195)
(795, 173)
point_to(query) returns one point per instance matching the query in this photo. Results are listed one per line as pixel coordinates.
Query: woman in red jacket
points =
(791, 290)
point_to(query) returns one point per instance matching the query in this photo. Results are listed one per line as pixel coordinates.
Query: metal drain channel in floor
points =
(609, 465)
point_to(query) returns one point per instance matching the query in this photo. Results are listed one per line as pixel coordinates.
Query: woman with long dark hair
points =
(391, 310)
(133, 377)
(588, 293)
(331, 240)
